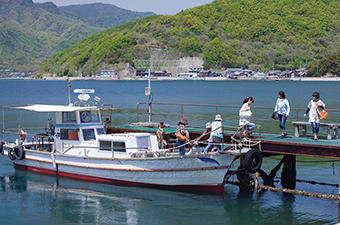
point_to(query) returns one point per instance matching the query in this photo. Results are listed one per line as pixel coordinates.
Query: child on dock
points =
(283, 109)
(314, 115)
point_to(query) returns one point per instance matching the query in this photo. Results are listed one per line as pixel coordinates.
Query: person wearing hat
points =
(216, 135)
(205, 133)
(160, 136)
(182, 135)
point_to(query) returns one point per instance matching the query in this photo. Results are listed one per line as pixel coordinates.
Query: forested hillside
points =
(259, 34)
(30, 33)
(103, 15)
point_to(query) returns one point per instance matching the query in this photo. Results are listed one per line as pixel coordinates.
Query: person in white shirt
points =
(216, 135)
(245, 114)
(283, 109)
(314, 113)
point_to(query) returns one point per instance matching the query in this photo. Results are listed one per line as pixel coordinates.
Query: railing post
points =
(255, 115)
(112, 149)
(181, 111)
(216, 110)
(138, 112)
(297, 114)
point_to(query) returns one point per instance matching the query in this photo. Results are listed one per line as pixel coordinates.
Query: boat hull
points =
(201, 172)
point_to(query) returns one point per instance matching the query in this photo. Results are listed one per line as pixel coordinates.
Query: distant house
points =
(205, 73)
(107, 73)
(141, 73)
(163, 73)
(233, 71)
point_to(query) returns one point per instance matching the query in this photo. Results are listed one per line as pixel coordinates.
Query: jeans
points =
(282, 121)
(182, 148)
(315, 127)
(210, 146)
(250, 126)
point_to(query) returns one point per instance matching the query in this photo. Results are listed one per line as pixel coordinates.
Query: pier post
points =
(289, 172)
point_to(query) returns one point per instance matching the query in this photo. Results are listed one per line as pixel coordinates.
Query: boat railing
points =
(112, 149)
(204, 112)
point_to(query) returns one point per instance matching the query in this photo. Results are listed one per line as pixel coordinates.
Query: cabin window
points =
(69, 134)
(69, 117)
(89, 116)
(100, 131)
(117, 146)
(143, 142)
(89, 135)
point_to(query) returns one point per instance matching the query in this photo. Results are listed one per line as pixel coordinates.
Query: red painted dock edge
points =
(204, 188)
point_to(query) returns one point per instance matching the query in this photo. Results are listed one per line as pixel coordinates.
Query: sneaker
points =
(285, 134)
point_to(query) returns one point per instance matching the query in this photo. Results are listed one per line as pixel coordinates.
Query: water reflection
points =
(42, 199)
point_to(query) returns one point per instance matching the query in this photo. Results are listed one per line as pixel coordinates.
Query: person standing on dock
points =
(182, 136)
(245, 114)
(314, 115)
(283, 109)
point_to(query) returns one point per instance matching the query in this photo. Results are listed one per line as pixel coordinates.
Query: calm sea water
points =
(32, 198)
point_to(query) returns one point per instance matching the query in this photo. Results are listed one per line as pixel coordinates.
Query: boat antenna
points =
(69, 91)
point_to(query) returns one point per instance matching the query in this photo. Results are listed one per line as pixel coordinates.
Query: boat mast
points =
(148, 93)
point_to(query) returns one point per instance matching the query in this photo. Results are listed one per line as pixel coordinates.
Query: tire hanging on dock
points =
(253, 161)
(11, 154)
(2, 147)
(19, 152)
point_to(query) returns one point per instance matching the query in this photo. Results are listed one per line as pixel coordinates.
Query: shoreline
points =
(310, 79)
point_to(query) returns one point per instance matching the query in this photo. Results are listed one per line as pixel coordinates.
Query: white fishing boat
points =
(76, 146)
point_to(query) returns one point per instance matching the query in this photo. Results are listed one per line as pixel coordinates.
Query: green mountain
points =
(259, 34)
(103, 15)
(30, 33)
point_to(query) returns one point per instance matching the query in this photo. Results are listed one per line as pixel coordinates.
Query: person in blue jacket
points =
(283, 109)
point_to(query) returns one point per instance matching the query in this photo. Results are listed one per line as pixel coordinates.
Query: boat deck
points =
(271, 144)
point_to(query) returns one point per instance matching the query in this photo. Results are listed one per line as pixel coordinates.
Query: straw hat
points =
(208, 125)
(218, 117)
(184, 121)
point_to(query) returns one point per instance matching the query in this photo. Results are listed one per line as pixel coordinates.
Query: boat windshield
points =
(89, 116)
(88, 134)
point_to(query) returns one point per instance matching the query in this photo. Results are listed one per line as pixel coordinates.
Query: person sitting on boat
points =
(160, 136)
(205, 135)
(245, 114)
(216, 135)
(182, 136)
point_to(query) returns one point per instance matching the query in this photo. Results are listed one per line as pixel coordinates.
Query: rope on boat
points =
(297, 192)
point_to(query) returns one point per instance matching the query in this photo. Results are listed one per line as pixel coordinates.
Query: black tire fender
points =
(2, 147)
(253, 161)
(19, 152)
(11, 154)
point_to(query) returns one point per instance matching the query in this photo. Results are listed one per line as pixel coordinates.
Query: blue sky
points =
(157, 6)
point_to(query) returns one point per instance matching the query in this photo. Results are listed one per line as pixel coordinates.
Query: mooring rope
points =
(297, 192)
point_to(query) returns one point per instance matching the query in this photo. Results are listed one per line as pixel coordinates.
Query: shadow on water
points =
(55, 199)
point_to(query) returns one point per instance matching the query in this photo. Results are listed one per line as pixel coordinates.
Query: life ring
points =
(2, 147)
(19, 152)
(253, 161)
(22, 135)
(11, 154)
